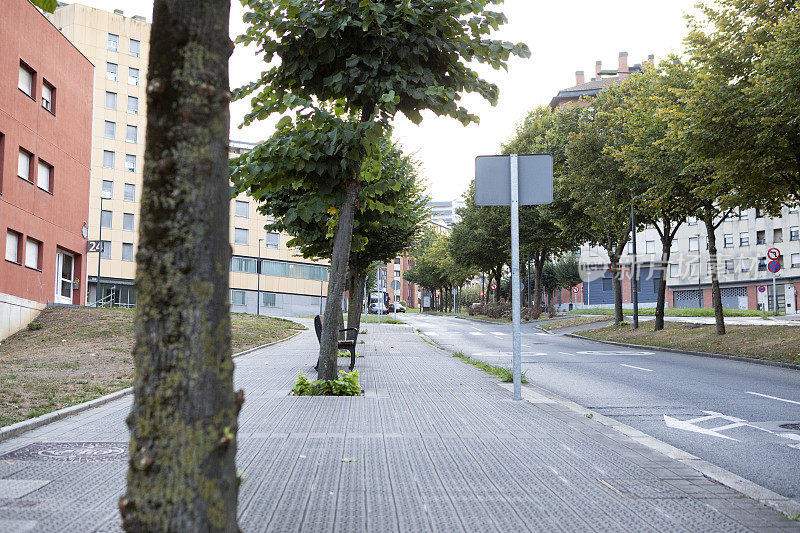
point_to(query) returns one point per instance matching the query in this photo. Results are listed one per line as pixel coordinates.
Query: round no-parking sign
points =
(762, 288)
(493, 286)
(774, 267)
(576, 289)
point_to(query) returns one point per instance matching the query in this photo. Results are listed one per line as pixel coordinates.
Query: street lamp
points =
(104, 195)
(258, 280)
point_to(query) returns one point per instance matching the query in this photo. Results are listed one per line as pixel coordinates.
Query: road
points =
(726, 412)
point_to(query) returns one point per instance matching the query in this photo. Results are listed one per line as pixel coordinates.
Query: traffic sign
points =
(493, 179)
(396, 285)
(454, 291)
(762, 288)
(774, 267)
(773, 253)
(493, 286)
(576, 289)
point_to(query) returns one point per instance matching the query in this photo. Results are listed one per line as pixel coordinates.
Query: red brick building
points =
(45, 154)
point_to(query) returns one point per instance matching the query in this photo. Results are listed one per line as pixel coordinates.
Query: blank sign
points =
(493, 179)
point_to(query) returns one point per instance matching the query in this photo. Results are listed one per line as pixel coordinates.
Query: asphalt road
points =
(726, 412)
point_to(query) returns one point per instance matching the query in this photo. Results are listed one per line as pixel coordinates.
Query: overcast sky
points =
(563, 37)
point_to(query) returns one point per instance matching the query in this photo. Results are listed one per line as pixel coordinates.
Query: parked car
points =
(397, 306)
(376, 308)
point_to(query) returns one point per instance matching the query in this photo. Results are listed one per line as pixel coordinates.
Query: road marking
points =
(613, 352)
(545, 334)
(637, 367)
(689, 425)
(475, 333)
(430, 333)
(567, 353)
(772, 397)
(498, 333)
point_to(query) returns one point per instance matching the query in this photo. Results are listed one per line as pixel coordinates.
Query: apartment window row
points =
(107, 217)
(239, 297)
(110, 131)
(109, 161)
(27, 83)
(125, 255)
(112, 73)
(134, 46)
(728, 266)
(269, 267)
(128, 192)
(23, 250)
(132, 107)
(35, 170)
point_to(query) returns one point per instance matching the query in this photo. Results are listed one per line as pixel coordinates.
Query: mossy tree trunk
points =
(716, 296)
(355, 303)
(182, 475)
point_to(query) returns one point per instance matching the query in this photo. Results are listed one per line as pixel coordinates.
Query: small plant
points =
(504, 373)
(589, 415)
(35, 326)
(345, 385)
(344, 353)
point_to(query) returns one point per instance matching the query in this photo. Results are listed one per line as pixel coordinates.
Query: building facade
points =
(445, 212)
(45, 154)
(280, 283)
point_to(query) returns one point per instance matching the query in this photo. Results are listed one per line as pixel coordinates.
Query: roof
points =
(591, 88)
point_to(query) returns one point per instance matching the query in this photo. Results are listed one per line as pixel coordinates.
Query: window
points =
(48, 97)
(729, 267)
(794, 233)
(243, 264)
(793, 210)
(650, 247)
(12, 246)
(694, 269)
(26, 76)
(109, 129)
(656, 284)
(744, 239)
(33, 250)
(237, 298)
(127, 222)
(747, 264)
(777, 235)
(692, 221)
(629, 248)
(133, 105)
(268, 299)
(24, 164)
(743, 214)
(273, 241)
(396, 260)
(111, 71)
(397, 273)
(242, 209)
(795, 260)
(44, 176)
(105, 219)
(113, 42)
(134, 48)
(762, 264)
(108, 159)
(761, 237)
(133, 76)
(127, 251)
(674, 270)
(131, 134)
(728, 240)
(106, 253)
(759, 214)
(130, 192)
(111, 100)
(293, 270)
(694, 244)
(130, 163)
(608, 284)
(107, 191)
(240, 236)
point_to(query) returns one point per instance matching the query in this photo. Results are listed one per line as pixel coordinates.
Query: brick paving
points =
(433, 445)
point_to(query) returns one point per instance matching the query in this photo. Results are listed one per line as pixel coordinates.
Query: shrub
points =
(345, 385)
(35, 326)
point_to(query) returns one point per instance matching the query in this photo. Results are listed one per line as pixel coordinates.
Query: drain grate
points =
(791, 427)
(77, 452)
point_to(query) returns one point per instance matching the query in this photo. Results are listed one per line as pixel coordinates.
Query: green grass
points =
(704, 312)
(505, 374)
(569, 322)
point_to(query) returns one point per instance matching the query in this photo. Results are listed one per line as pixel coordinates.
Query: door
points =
(65, 265)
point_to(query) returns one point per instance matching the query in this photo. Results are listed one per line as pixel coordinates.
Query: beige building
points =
(118, 46)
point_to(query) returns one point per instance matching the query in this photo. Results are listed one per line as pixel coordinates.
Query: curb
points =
(535, 394)
(17, 429)
(689, 352)
(786, 506)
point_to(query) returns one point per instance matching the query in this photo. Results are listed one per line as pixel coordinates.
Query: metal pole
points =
(99, 254)
(699, 274)
(775, 293)
(528, 269)
(634, 280)
(515, 292)
(258, 280)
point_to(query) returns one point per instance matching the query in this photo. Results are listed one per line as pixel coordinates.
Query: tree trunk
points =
(182, 474)
(716, 297)
(539, 265)
(616, 274)
(498, 275)
(355, 305)
(666, 251)
(328, 346)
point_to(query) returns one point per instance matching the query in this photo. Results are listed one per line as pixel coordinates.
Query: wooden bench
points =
(347, 344)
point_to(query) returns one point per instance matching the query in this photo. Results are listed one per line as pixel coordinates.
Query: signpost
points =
(395, 287)
(774, 266)
(514, 180)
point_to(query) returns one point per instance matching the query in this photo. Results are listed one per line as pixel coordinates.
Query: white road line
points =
(567, 353)
(430, 333)
(772, 397)
(636, 367)
(542, 334)
(498, 333)
(475, 333)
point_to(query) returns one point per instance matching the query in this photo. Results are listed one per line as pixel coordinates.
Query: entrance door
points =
(65, 264)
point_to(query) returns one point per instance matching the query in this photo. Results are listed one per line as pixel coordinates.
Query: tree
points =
(46, 5)
(182, 474)
(368, 59)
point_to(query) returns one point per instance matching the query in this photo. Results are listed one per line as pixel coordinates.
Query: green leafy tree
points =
(46, 5)
(183, 423)
(368, 60)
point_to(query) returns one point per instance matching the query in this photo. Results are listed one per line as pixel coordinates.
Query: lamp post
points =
(103, 196)
(258, 280)
(634, 278)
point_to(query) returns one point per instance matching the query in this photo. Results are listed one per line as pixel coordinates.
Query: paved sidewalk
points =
(434, 445)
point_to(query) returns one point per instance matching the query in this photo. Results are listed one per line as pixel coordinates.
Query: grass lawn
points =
(775, 343)
(705, 311)
(79, 354)
(569, 322)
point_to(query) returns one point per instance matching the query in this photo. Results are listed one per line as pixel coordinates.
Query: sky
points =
(563, 38)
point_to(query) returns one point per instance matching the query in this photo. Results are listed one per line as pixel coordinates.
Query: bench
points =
(347, 344)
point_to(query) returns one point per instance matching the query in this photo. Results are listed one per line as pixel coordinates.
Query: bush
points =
(35, 326)
(345, 385)
(469, 296)
(503, 310)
